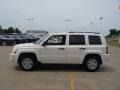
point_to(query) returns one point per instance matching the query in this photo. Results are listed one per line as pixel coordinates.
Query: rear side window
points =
(94, 40)
(77, 40)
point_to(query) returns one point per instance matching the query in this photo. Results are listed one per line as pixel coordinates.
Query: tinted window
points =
(57, 40)
(77, 40)
(94, 40)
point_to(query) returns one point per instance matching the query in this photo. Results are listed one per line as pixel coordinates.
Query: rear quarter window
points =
(94, 40)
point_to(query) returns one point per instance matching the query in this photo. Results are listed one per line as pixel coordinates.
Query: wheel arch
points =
(27, 53)
(91, 55)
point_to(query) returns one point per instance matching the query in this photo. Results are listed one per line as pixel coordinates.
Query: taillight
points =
(107, 50)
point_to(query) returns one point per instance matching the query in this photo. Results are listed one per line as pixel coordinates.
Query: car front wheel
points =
(27, 62)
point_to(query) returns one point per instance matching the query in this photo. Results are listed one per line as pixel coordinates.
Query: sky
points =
(50, 15)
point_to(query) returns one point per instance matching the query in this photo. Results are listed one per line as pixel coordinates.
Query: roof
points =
(86, 32)
(73, 33)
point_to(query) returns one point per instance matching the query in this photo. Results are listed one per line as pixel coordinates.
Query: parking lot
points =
(59, 77)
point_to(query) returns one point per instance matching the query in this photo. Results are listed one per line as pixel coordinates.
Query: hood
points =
(26, 45)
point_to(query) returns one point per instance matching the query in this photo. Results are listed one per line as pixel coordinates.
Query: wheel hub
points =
(27, 63)
(92, 64)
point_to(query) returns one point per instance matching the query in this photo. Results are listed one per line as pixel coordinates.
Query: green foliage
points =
(113, 37)
(114, 33)
(17, 30)
(10, 30)
(0, 29)
(112, 42)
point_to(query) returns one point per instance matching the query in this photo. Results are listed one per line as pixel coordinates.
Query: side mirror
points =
(44, 44)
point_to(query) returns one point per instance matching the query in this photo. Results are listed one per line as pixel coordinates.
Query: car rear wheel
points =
(27, 62)
(92, 64)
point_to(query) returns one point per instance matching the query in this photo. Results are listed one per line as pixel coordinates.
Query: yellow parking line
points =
(71, 80)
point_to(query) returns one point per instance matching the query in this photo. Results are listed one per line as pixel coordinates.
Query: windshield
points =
(41, 39)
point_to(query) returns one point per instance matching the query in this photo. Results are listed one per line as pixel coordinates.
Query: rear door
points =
(75, 48)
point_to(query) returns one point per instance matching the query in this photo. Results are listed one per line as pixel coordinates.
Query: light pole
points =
(91, 26)
(67, 23)
(81, 28)
(30, 22)
(85, 28)
(100, 23)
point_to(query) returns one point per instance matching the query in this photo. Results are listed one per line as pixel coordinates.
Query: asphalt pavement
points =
(59, 77)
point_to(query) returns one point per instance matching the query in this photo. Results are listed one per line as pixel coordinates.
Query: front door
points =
(55, 50)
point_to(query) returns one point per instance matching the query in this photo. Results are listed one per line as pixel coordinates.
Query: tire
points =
(4, 43)
(27, 62)
(92, 63)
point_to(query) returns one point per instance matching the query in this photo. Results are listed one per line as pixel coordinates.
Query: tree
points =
(113, 32)
(118, 32)
(5, 31)
(11, 30)
(17, 30)
(1, 29)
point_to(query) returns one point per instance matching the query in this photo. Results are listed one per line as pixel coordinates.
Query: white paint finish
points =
(70, 53)
(74, 54)
(52, 54)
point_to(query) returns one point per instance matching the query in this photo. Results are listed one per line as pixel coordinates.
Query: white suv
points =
(86, 48)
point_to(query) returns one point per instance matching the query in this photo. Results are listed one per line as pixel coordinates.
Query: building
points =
(36, 33)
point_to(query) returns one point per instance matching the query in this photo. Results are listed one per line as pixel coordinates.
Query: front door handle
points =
(61, 48)
(82, 48)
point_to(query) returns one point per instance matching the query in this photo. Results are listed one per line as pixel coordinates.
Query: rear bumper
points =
(105, 58)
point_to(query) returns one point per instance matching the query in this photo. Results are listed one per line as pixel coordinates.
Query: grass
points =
(112, 42)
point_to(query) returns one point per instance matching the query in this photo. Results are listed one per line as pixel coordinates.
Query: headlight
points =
(15, 50)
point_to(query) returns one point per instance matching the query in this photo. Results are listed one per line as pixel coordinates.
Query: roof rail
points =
(85, 32)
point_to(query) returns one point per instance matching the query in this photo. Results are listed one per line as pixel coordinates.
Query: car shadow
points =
(106, 68)
(61, 67)
(65, 68)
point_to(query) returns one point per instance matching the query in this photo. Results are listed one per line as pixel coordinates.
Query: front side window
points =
(77, 40)
(94, 40)
(57, 40)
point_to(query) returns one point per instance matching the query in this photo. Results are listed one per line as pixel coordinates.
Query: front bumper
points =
(13, 57)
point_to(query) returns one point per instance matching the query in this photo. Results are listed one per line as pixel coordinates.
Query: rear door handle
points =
(61, 48)
(82, 48)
